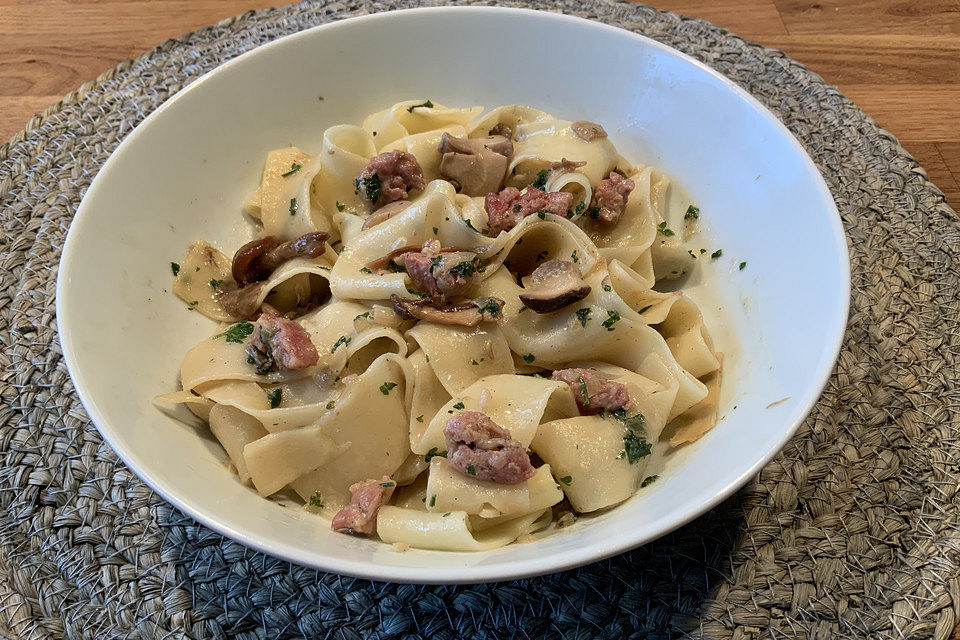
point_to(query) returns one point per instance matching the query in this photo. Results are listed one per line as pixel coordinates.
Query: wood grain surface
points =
(897, 59)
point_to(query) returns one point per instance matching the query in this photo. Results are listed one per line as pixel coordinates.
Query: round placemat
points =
(852, 531)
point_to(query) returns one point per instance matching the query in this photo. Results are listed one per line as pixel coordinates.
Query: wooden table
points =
(897, 59)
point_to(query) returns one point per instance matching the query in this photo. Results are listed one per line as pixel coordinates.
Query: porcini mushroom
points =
(554, 285)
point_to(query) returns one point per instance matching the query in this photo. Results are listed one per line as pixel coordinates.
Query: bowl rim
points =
(463, 574)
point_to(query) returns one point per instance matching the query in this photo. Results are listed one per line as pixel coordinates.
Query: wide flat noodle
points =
(371, 416)
(450, 490)
(452, 352)
(516, 403)
(450, 531)
(282, 201)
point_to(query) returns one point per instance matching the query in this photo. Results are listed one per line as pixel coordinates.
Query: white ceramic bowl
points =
(183, 173)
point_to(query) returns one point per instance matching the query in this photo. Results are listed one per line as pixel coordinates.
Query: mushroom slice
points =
(255, 260)
(589, 131)
(554, 285)
(464, 314)
(384, 213)
(240, 302)
(476, 165)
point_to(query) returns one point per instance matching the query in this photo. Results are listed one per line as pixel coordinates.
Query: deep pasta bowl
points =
(772, 279)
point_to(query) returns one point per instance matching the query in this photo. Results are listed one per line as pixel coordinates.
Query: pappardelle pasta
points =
(447, 332)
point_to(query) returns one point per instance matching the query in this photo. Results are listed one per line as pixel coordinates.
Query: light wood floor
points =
(897, 59)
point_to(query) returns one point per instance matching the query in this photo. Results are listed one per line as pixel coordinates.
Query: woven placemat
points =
(852, 531)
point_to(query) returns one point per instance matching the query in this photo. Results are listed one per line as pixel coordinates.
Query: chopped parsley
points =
(662, 228)
(567, 480)
(386, 386)
(370, 186)
(634, 422)
(388, 484)
(365, 270)
(316, 500)
(529, 358)
(447, 513)
(579, 209)
(428, 104)
(474, 363)
(331, 405)
(692, 254)
(459, 406)
(542, 213)
(434, 453)
(743, 265)
(583, 390)
(435, 262)
(470, 224)
(293, 169)
(342, 340)
(433, 501)
(365, 314)
(435, 230)
(340, 206)
(237, 333)
(645, 308)
(574, 256)
(635, 448)
(692, 213)
(215, 284)
(472, 470)
(464, 269)
(489, 305)
(716, 254)
(523, 308)
(702, 251)
(541, 181)
(648, 480)
(607, 287)
(274, 398)
(419, 294)
(175, 268)
(293, 206)
(612, 318)
(583, 315)
(420, 418)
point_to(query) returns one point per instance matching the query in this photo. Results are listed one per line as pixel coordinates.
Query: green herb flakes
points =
(316, 500)
(365, 314)
(342, 340)
(293, 206)
(237, 333)
(215, 284)
(692, 213)
(529, 358)
(635, 448)
(583, 315)
(386, 386)
(433, 501)
(459, 406)
(388, 484)
(662, 228)
(175, 268)
(542, 213)
(435, 230)
(574, 257)
(434, 453)
(583, 390)
(716, 254)
(340, 206)
(541, 181)
(567, 480)
(648, 481)
(743, 265)
(472, 470)
(293, 169)
(369, 187)
(612, 318)
(420, 418)
(331, 405)
(274, 397)
(365, 270)
(428, 104)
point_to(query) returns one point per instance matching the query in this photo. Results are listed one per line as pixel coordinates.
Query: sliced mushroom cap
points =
(554, 285)
(588, 131)
(465, 314)
(309, 245)
(240, 302)
(476, 165)
(384, 213)
(244, 268)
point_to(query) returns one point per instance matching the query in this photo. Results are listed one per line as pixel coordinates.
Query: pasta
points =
(449, 328)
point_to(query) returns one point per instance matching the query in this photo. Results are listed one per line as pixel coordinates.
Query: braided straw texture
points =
(850, 532)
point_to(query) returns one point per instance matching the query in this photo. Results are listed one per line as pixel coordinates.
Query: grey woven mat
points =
(852, 531)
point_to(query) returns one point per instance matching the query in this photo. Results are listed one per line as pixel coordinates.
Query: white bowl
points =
(183, 173)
